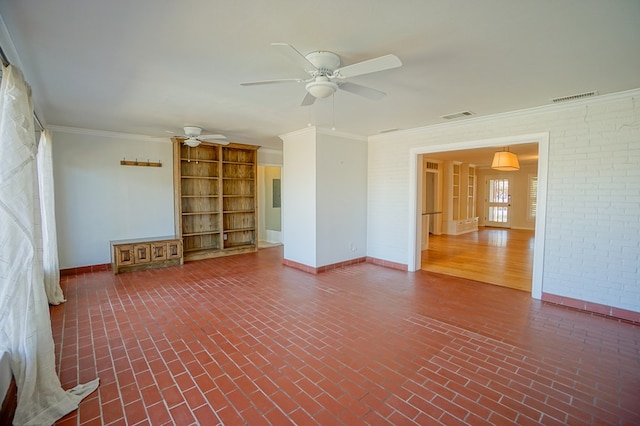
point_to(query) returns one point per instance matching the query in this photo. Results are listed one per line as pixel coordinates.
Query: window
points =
(533, 197)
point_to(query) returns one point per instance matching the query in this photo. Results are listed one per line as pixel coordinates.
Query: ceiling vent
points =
(575, 97)
(457, 115)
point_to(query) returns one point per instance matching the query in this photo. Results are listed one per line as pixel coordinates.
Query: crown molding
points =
(108, 134)
(324, 131)
(329, 132)
(419, 131)
(299, 132)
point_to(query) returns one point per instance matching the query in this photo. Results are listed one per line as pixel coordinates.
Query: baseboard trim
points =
(594, 308)
(372, 260)
(85, 269)
(388, 264)
(315, 271)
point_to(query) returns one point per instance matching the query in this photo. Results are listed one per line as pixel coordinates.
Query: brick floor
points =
(246, 340)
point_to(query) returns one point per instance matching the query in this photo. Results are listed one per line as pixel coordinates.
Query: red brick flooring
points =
(246, 340)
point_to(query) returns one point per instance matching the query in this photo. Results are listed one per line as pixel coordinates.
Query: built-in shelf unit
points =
(215, 198)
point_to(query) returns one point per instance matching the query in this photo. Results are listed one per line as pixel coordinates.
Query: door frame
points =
(270, 236)
(416, 169)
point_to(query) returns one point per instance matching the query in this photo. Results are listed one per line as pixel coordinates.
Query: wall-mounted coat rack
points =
(147, 163)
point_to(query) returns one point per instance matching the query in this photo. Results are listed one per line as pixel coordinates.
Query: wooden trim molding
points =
(595, 308)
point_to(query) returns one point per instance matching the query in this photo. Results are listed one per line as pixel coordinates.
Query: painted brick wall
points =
(592, 242)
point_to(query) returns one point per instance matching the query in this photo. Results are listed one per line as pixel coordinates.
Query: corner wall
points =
(299, 197)
(324, 198)
(592, 241)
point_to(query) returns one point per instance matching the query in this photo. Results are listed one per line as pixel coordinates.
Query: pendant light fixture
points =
(505, 161)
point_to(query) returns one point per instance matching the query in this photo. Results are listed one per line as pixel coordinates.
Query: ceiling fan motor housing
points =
(192, 132)
(326, 62)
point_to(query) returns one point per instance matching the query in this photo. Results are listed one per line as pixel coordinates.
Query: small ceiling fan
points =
(326, 75)
(194, 137)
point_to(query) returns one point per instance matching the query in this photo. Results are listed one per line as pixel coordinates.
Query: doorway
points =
(540, 140)
(270, 206)
(431, 202)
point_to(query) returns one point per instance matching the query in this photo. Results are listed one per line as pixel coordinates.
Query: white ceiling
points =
(148, 66)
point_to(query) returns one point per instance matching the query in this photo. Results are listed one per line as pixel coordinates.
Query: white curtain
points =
(25, 325)
(48, 216)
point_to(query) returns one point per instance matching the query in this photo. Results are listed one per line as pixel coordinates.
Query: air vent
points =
(575, 97)
(457, 115)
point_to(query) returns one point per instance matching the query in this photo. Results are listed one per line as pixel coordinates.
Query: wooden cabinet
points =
(145, 253)
(216, 199)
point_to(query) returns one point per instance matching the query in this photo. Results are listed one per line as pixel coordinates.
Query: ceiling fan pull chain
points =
(188, 154)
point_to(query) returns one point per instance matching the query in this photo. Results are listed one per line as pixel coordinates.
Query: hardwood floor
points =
(497, 256)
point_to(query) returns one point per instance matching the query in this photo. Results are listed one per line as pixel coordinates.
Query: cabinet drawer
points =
(141, 253)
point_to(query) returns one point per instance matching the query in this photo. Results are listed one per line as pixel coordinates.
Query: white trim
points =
(415, 181)
(108, 134)
(298, 132)
(541, 217)
(408, 134)
(325, 131)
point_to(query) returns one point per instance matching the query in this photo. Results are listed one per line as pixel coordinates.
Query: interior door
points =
(498, 202)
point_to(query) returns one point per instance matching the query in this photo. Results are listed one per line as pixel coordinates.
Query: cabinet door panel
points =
(124, 255)
(142, 253)
(174, 250)
(159, 251)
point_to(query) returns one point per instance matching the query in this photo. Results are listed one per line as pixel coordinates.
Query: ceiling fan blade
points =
(290, 52)
(309, 99)
(372, 65)
(283, 80)
(211, 137)
(357, 89)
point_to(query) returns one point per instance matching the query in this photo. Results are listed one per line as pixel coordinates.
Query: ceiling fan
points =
(194, 137)
(326, 75)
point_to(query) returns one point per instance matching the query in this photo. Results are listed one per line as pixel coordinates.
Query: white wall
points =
(592, 242)
(269, 157)
(299, 196)
(98, 200)
(341, 198)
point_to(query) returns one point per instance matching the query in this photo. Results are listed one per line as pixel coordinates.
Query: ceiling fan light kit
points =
(321, 88)
(192, 142)
(505, 161)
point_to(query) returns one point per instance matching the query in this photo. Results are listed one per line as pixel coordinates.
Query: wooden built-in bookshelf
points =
(215, 198)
